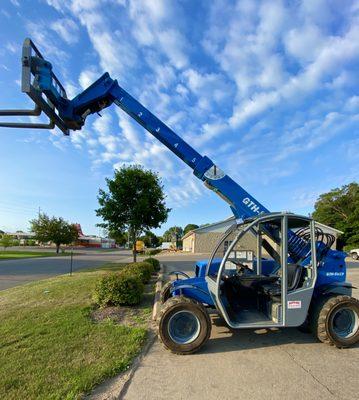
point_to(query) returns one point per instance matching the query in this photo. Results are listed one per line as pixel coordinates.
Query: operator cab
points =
(266, 277)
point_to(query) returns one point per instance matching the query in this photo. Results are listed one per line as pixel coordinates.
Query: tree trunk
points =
(134, 246)
(57, 248)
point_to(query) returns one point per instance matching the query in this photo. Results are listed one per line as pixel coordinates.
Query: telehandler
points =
(269, 269)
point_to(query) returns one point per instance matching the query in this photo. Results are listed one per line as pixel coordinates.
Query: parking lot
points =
(247, 364)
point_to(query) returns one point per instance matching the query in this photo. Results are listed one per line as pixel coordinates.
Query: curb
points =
(157, 301)
(115, 388)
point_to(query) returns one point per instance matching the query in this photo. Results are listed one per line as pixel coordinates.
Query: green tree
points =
(150, 239)
(173, 235)
(134, 202)
(189, 227)
(339, 208)
(55, 230)
(120, 237)
(6, 241)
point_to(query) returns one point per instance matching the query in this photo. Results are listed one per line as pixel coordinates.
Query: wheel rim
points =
(345, 322)
(184, 327)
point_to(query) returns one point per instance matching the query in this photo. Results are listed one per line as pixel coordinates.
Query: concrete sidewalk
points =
(247, 364)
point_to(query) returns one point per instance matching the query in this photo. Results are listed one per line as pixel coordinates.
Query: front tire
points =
(355, 256)
(335, 320)
(184, 325)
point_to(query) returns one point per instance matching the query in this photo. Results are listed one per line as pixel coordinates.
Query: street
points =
(19, 271)
(248, 364)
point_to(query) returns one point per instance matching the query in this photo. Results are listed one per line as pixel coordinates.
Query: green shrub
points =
(143, 270)
(121, 288)
(152, 252)
(154, 262)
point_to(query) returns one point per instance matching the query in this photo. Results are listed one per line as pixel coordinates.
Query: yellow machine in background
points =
(140, 246)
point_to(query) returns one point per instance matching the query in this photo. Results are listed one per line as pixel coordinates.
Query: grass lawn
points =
(10, 255)
(50, 347)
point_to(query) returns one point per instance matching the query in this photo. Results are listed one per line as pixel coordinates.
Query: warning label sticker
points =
(294, 304)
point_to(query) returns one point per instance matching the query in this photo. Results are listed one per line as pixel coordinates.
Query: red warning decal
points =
(294, 304)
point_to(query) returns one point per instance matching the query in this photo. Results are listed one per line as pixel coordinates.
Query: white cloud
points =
(12, 47)
(71, 89)
(352, 105)
(304, 43)
(153, 26)
(259, 47)
(44, 41)
(67, 29)
(88, 76)
(103, 125)
(110, 143)
(210, 85)
(173, 45)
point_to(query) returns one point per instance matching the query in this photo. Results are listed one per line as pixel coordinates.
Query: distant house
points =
(204, 239)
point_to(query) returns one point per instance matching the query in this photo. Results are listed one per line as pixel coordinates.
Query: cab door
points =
(300, 272)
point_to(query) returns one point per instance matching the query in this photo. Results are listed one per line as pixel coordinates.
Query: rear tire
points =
(184, 325)
(166, 292)
(335, 320)
(355, 256)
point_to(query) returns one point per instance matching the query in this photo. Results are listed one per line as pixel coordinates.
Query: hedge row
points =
(152, 252)
(154, 262)
(125, 287)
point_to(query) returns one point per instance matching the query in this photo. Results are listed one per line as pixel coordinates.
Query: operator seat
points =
(294, 275)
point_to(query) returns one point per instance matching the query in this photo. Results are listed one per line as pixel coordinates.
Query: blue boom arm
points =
(106, 91)
(43, 87)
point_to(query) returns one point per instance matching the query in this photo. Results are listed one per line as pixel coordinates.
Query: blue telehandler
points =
(269, 270)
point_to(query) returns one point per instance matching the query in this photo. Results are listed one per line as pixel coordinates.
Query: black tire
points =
(166, 292)
(324, 320)
(175, 306)
(355, 256)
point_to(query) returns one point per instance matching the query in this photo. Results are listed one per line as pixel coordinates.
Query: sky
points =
(267, 89)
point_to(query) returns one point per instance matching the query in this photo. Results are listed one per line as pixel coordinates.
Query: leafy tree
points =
(134, 202)
(189, 227)
(120, 237)
(6, 241)
(150, 239)
(339, 208)
(55, 230)
(173, 235)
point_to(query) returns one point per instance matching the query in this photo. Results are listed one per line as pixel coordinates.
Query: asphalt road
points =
(248, 364)
(20, 271)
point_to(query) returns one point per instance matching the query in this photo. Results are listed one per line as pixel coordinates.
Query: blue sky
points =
(267, 89)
